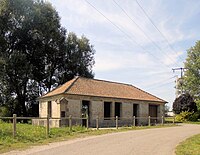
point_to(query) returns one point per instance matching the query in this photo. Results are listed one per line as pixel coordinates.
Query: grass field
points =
(190, 146)
(28, 135)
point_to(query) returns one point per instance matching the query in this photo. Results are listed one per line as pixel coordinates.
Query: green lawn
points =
(190, 146)
(28, 135)
(192, 122)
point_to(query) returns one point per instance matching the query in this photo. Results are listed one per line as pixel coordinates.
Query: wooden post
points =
(14, 125)
(134, 121)
(70, 123)
(173, 119)
(149, 120)
(87, 121)
(47, 128)
(162, 120)
(97, 123)
(116, 122)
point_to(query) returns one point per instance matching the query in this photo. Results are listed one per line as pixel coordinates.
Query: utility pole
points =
(182, 70)
(181, 82)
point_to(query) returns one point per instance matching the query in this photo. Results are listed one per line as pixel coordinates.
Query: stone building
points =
(98, 98)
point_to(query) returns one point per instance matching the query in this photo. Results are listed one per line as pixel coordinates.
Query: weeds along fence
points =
(115, 122)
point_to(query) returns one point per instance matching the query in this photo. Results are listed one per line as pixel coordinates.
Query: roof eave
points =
(117, 98)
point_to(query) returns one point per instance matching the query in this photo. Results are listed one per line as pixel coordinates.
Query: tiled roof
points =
(101, 88)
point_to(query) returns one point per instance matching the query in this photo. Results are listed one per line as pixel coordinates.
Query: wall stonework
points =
(43, 109)
(127, 110)
(73, 105)
(55, 109)
(74, 108)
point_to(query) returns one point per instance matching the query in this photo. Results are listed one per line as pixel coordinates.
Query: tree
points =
(79, 59)
(36, 55)
(192, 74)
(32, 44)
(184, 102)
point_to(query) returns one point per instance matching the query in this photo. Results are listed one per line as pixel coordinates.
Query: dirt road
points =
(160, 141)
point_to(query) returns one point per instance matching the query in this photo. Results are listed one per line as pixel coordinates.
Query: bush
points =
(194, 117)
(185, 102)
(183, 116)
(188, 116)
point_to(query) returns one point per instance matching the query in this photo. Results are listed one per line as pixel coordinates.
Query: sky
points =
(137, 42)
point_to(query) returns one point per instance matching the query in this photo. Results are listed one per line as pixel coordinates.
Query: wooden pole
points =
(162, 120)
(47, 128)
(97, 123)
(173, 119)
(134, 121)
(116, 122)
(87, 121)
(14, 125)
(149, 120)
(70, 123)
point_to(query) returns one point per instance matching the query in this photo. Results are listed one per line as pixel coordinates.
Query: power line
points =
(128, 36)
(160, 82)
(140, 79)
(161, 85)
(157, 28)
(143, 31)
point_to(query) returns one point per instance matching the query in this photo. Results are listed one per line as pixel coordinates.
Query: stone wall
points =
(43, 109)
(73, 104)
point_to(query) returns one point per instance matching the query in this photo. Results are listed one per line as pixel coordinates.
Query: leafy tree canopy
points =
(184, 102)
(192, 74)
(35, 53)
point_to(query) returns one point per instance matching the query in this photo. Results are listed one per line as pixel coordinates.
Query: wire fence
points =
(108, 122)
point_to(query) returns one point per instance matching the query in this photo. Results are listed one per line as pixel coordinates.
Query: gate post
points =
(116, 122)
(14, 125)
(97, 123)
(149, 120)
(162, 120)
(134, 121)
(47, 128)
(173, 119)
(87, 121)
(70, 123)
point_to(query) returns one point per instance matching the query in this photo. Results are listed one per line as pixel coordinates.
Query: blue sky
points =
(132, 50)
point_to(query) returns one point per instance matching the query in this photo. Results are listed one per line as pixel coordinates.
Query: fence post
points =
(97, 122)
(149, 120)
(173, 119)
(47, 129)
(14, 125)
(116, 122)
(70, 123)
(162, 120)
(134, 121)
(87, 121)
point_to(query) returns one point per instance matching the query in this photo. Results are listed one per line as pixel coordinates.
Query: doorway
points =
(136, 112)
(118, 109)
(153, 113)
(85, 112)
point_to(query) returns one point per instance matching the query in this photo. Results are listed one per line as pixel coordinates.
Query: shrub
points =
(188, 116)
(184, 116)
(194, 117)
(185, 102)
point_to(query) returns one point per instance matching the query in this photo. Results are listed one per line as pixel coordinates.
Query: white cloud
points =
(172, 58)
(122, 61)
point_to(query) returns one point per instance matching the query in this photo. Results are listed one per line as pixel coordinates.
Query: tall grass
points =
(190, 146)
(29, 135)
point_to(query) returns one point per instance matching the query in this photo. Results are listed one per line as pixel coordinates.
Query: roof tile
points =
(101, 88)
